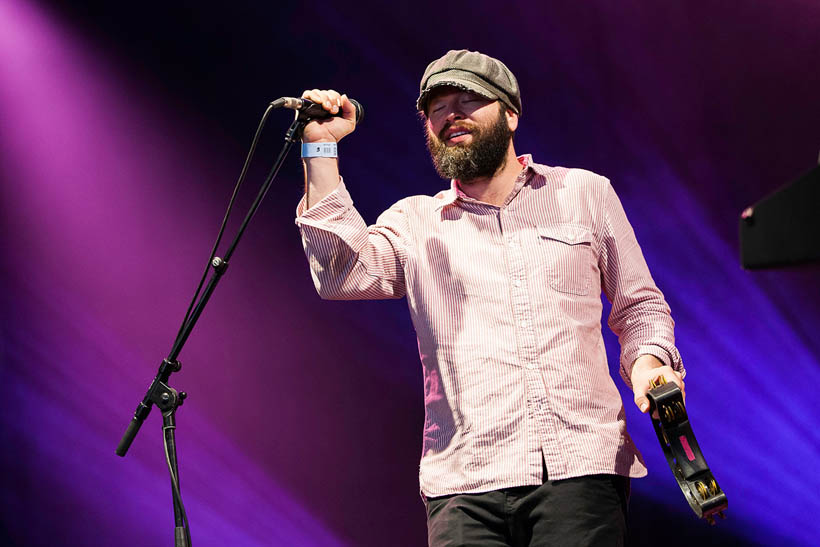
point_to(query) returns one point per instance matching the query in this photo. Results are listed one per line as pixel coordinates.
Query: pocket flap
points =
(566, 233)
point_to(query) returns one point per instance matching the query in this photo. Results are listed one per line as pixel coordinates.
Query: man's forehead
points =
(445, 91)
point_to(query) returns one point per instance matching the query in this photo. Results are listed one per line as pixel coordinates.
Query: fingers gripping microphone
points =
(314, 110)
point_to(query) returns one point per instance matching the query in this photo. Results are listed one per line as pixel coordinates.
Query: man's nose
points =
(455, 114)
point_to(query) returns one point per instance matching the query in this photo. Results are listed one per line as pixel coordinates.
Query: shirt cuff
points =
(335, 203)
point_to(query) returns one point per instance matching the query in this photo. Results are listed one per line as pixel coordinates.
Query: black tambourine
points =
(682, 452)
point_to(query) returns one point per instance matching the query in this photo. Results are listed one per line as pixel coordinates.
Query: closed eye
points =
(472, 100)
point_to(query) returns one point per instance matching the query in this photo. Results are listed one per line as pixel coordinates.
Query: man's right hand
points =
(334, 128)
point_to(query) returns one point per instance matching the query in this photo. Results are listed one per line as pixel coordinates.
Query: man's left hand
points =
(647, 368)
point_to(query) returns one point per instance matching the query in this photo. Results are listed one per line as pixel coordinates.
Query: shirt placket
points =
(541, 431)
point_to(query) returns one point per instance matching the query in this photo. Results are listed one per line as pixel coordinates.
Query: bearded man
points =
(525, 440)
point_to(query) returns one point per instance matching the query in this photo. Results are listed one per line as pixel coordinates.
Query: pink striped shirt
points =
(506, 306)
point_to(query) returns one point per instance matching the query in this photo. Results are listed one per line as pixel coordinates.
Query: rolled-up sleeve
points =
(348, 259)
(640, 315)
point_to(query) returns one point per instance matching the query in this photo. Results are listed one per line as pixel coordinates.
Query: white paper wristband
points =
(319, 150)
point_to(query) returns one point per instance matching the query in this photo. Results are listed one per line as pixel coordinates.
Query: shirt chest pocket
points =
(564, 255)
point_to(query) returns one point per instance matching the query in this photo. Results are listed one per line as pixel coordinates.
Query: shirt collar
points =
(454, 194)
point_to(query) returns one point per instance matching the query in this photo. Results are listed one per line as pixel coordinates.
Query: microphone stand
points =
(159, 392)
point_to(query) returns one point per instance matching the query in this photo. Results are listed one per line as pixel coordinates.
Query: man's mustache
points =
(468, 126)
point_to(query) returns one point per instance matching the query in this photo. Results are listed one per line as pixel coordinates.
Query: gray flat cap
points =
(471, 71)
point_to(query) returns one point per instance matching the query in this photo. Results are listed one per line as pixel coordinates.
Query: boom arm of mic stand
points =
(144, 407)
(170, 364)
(165, 397)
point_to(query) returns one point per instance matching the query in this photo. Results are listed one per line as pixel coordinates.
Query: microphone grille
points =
(359, 111)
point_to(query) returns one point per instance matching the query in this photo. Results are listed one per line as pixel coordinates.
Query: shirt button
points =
(517, 282)
(531, 366)
(523, 324)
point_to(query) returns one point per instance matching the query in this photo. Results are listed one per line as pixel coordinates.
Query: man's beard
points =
(483, 158)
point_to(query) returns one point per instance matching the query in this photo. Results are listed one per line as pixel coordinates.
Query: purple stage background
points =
(122, 130)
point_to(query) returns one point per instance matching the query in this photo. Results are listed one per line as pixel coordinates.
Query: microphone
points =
(314, 110)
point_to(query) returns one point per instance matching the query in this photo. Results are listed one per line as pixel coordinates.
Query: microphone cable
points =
(239, 182)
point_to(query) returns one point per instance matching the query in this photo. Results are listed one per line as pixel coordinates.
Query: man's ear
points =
(512, 119)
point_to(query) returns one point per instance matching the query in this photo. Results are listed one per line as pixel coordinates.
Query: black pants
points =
(581, 511)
